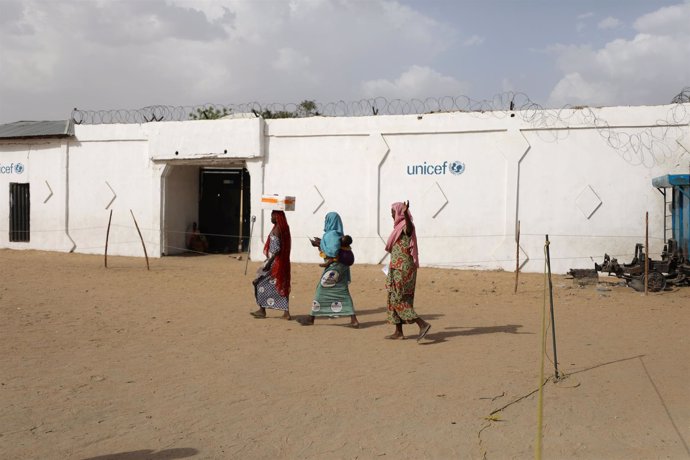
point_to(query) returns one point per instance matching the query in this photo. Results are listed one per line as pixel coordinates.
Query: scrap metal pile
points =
(672, 270)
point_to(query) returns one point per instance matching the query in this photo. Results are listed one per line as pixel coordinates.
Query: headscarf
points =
(280, 270)
(332, 232)
(399, 227)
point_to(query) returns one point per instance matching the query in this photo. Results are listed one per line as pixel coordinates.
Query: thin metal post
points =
(249, 247)
(646, 252)
(517, 255)
(553, 319)
(107, 236)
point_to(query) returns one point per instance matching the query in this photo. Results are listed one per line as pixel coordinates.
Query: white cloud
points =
(415, 82)
(670, 20)
(290, 60)
(650, 68)
(109, 55)
(609, 23)
(575, 90)
(474, 40)
(586, 15)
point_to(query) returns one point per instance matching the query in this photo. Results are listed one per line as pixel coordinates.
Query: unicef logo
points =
(457, 168)
(16, 168)
(436, 169)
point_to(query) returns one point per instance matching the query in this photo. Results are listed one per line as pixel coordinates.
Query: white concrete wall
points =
(109, 170)
(45, 169)
(198, 139)
(581, 176)
(181, 204)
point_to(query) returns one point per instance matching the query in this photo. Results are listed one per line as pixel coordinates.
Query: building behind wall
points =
(581, 176)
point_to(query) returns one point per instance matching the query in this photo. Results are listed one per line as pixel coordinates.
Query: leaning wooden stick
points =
(517, 254)
(142, 240)
(107, 235)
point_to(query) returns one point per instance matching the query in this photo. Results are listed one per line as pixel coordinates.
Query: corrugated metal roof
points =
(23, 129)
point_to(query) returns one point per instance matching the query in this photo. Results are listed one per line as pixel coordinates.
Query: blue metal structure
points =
(680, 208)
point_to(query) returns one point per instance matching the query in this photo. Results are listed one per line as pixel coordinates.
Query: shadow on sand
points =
(364, 324)
(450, 332)
(148, 454)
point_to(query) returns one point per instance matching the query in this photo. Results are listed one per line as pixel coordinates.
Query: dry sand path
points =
(124, 363)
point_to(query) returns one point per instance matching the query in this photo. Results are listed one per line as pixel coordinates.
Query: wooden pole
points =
(646, 252)
(142, 240)
(517, 255)
(107, 235)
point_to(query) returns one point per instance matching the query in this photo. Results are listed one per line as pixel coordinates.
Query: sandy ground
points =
(125, 363)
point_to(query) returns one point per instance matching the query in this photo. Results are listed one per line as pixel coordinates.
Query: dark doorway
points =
(224, 209)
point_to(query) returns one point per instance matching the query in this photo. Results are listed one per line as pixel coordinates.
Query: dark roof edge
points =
(37, 129)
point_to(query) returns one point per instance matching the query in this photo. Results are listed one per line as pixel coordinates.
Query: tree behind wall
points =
(305, 109)
(209, 113)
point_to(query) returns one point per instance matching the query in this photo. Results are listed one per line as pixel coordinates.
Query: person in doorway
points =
(196, 241)
(332, 297)
(402, 273)
(272, 282)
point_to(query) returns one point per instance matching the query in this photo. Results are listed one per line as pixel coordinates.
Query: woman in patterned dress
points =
(332, 297)
(402, 273)
(272, 282)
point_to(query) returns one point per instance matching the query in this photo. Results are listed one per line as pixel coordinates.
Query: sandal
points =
(423, 332)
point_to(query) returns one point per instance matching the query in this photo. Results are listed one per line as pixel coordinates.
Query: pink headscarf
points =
(398, 228)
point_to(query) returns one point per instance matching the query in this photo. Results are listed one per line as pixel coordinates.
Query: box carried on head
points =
(278, 202)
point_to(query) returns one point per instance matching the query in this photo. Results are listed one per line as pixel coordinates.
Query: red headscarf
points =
(280, 270)
(399, 227)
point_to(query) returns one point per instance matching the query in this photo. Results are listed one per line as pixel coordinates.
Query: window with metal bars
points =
(20, 205)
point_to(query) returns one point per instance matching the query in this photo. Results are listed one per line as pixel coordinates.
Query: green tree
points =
(307, 109)
(209, 113)
(304, 109)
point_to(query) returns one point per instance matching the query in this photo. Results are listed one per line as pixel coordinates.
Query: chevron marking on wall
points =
(435, 200)
(588, 201)
(317, 199)
(684, 142)
(114, 195)
(50, 192)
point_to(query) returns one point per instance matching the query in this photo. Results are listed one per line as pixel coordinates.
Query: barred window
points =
(20, 204)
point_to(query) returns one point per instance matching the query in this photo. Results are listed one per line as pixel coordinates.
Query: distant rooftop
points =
(28, 129)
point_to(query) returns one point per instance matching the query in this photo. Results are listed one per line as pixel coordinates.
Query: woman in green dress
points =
(332, 297)
(402, 273)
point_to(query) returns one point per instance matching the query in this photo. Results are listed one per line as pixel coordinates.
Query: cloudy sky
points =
(107, 54)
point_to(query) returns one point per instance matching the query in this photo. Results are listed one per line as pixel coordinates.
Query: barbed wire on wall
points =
(364, 107)
(682, 97)
(648, 147)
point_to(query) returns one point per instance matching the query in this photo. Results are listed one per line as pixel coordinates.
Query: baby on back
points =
(345, 255)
